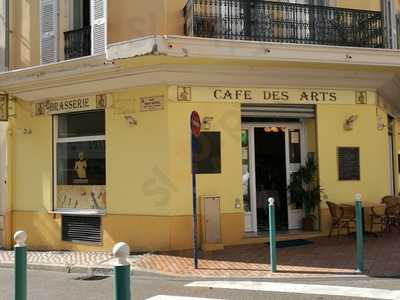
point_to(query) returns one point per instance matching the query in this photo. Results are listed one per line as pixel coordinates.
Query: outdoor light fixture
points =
(274, 129)
(131, 120)
(206, 123)
(349, 122)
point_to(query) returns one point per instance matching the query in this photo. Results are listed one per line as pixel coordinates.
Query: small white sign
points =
(295, 137)
(152, 103)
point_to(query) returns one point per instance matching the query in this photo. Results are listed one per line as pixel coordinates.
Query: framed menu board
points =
(207, 157)
(348, 163)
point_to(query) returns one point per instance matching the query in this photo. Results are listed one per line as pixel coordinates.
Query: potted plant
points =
(305, 191)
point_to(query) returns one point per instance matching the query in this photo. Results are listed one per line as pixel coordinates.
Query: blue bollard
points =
(20, 291)
(122, 272)
(272, 234)
(360, 234)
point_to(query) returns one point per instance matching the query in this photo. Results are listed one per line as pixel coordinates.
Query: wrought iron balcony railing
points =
(77, 43)
(260, 20)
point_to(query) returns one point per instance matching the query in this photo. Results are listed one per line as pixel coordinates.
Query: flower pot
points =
(308, 224)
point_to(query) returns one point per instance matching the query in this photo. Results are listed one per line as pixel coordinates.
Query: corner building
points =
(96, 144)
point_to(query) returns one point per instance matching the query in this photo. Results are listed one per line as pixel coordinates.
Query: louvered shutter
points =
(3, 37)
(389, 14)
(48, 31)
(98, 9)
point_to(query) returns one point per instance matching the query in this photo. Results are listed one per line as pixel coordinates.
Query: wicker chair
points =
(342, 216)
(391, 216)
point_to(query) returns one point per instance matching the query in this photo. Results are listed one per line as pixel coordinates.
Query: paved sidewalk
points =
(69, 261)
(325, 257)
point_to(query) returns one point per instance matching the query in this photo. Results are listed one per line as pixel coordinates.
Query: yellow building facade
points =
(97, 146)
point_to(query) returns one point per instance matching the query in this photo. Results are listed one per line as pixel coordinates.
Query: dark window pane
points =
(81, 124)
(81, 163)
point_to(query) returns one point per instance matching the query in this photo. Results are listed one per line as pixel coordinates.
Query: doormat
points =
(292, 243)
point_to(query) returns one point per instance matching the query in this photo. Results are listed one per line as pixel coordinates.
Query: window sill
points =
(78, 212)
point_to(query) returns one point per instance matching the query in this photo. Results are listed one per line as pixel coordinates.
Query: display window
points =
(79, 161)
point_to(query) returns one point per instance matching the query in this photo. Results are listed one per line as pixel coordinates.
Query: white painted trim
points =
(165, 297)
(295, 288)
(81, 139)
(82, 212)
(185, 46)
(253, 192)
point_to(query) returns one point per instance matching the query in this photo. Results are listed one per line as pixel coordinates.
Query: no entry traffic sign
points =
(195, 124)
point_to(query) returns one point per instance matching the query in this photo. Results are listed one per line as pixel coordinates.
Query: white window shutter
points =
(389, 15)
(3, 35)
(98, 15)
(48, 31)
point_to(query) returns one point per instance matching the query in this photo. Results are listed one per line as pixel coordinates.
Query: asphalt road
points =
(45, 285)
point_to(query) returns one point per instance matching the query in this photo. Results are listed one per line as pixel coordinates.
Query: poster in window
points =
(81, 180)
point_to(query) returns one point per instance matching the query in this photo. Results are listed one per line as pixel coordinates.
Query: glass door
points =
(261, 176)
(294, 160)
(250, 214)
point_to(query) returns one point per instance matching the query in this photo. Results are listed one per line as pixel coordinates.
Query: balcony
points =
(77, 43)
(268, 21)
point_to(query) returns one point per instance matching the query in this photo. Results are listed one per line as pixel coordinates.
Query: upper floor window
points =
(77, 40)
(84, 35)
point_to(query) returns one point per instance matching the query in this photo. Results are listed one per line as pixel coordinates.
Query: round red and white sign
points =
(195, 123)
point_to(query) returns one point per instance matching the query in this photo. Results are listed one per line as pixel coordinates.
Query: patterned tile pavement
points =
(324, 257)
(59, 258)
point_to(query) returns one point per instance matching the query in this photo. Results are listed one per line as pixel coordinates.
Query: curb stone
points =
(108, 271)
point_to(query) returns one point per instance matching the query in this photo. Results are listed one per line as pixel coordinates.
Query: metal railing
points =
(77, 43)
(261, 20)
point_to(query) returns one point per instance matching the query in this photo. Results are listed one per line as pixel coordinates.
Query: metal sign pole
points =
(194, 200)
(194, 120)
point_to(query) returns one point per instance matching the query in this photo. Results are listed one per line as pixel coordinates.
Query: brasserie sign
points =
(72, 104)
(272, 95)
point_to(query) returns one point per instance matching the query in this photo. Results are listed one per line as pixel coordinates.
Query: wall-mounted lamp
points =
(206, 123)
(25, 131)
(349, 122)
(131, 120)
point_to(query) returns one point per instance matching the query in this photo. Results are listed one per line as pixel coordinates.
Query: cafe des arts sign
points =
(271, 95)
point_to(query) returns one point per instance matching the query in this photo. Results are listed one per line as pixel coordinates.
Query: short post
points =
(20, 265)
(272, 234)
(122, 272)
(359, 234)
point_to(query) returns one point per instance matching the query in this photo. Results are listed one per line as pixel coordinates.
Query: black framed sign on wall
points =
(348, 163)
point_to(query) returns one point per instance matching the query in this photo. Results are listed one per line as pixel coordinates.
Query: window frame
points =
(57, 140)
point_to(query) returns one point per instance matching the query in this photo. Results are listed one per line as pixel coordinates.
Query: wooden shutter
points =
(389, 15)
(48, 31)
(3, 35)
(98, 9)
